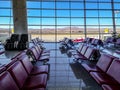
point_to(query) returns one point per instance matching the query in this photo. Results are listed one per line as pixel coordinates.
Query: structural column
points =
(20, 16)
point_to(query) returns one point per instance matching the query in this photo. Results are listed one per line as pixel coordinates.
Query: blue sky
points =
(66, 13)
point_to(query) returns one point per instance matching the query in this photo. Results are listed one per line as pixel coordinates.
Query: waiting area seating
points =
(84, 52)
(38, 54)
(105, 72)
(22, 74)
(87, 53)
(87, 40)
(106, 69)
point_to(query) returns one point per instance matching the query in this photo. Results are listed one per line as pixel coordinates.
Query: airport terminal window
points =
(58, 17)
(73, 16)
(6, 19)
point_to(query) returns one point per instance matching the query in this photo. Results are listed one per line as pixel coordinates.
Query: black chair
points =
(22, 44)
(11, 43)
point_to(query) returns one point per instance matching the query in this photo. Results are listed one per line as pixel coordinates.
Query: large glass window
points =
(74, 18)
(6, 20)
(60, 18)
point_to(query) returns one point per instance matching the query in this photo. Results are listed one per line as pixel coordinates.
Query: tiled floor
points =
(64, 73)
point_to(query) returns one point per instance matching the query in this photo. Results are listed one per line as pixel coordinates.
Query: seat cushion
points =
(110, 87)
(46, 51)
(18, 73)
(84, 50)
(45, 54)
(104, 62)
(7, 82)
(89, 52)
(2, 69)
(102, 78)
(42, 58)
(80, 56)
(91, 67)
(37, 81)
(114, 70)
(39, 69)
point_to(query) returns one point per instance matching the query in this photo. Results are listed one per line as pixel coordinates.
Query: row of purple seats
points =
(105, 72)
(77, 50)
(20, 74)
(38, 54)
(93, 42)
(87, 40)
(97, 42)
(109, 41)
(112, 41)
(37, 41)
(86, 53)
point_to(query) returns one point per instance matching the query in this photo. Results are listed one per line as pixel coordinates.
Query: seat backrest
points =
(2, 69)
(89, 40)
(7, 82)
(18, 72)
(67, 41)
(89, 52)
(104, 62)
(80, 47)
(26, 63)
(85, 40)
(118, 41)
(114, 70)
(84, 50)
(15, 37)
(96, 41)
(10, 63)
(38, 49)
(108, 40)
(35, 54)
(93, 41)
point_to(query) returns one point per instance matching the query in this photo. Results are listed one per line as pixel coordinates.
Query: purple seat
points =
(40, 51)
(77, 51)
(33, 70)
(7, 82)
(102, 65)
(85, 40)
(96, 42)
(2, 69)
(37, 55)
(25, 81)
(10, 63)
(109, 40)
(111, 76)
(88, 54)
(77, 56)
(89, 40)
